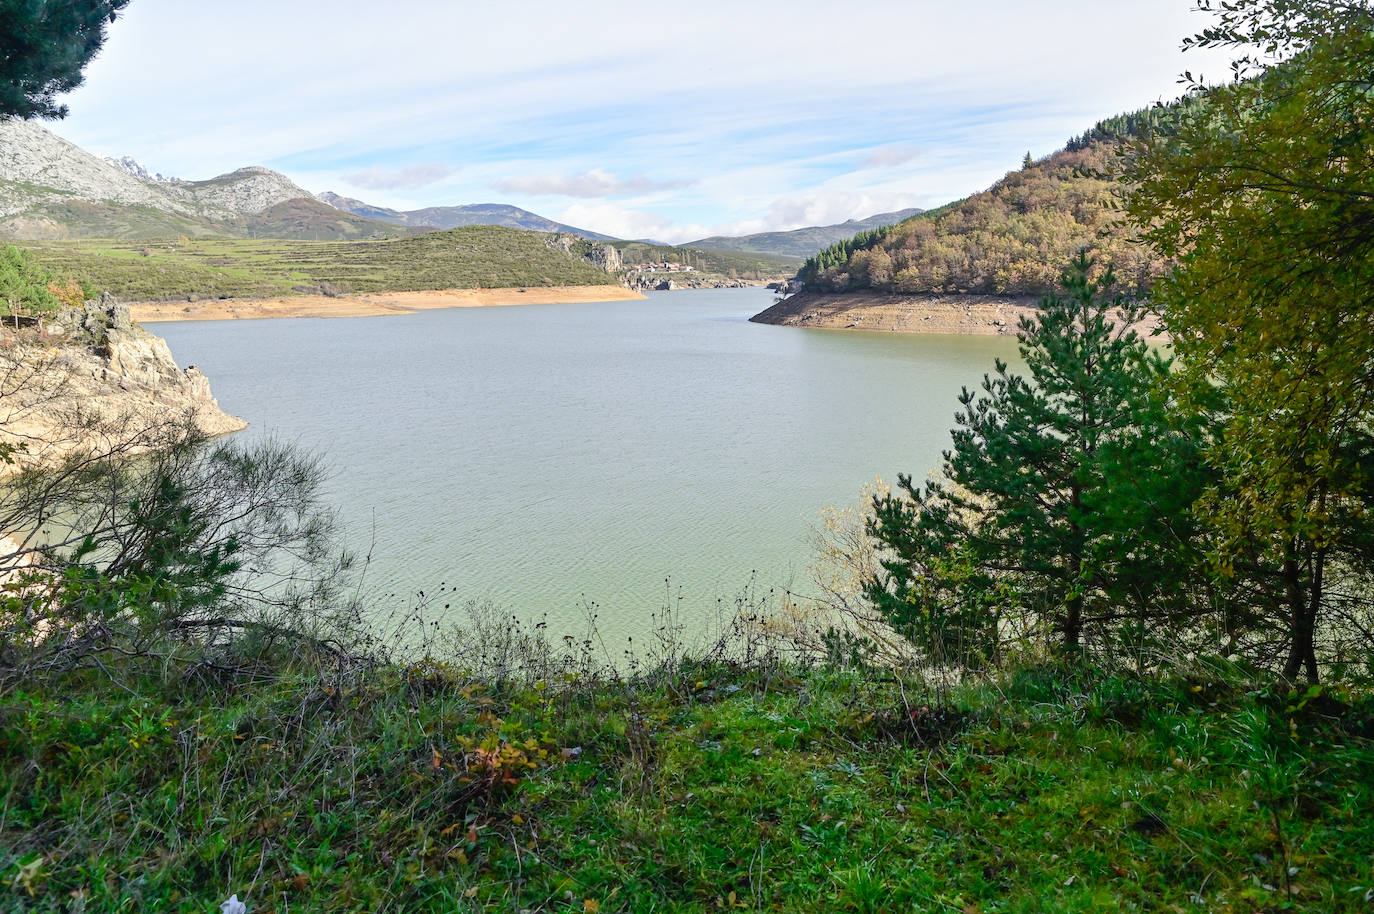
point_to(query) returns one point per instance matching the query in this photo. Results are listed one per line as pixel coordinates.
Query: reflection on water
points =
(550, 456)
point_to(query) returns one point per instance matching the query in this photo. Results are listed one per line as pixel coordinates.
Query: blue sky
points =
(670, 121)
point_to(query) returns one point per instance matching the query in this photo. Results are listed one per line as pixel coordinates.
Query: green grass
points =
(719, 787)
(200, 268)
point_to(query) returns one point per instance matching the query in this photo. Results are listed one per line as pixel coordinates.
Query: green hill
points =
(1012, 239)
(474, 257)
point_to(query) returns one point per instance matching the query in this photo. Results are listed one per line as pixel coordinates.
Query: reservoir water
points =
(548, 457)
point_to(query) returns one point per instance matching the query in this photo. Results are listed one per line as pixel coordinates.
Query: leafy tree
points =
(1264, 188)
(44, 45)
(1065, 495)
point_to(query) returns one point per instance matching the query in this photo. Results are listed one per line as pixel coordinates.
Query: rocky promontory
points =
(92, 379)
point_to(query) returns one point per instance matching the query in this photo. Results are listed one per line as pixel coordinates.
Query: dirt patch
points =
(989, 315)
(373, 304)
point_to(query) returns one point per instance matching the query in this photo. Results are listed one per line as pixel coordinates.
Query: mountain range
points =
(447, 217)
(51, 189)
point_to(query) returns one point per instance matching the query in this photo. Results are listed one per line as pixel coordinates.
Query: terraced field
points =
(474, 257)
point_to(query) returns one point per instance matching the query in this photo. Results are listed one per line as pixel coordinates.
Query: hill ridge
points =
(805, 241)
(449, 217)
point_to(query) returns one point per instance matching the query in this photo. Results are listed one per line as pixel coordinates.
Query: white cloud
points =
(412, 176)
(831, 208)
(890, 156)
(624, 222)
(594, 183)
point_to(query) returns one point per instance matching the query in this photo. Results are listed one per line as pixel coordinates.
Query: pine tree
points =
(1065, 494)
(44, 46)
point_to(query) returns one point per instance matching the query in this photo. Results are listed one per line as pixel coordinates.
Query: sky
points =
(639, 120)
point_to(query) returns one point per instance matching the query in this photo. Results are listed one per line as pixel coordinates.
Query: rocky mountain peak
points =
(136, 168)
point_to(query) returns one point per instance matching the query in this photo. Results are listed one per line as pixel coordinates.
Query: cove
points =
(615, 455)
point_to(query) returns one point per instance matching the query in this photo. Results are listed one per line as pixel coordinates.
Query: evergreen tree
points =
(24, 285)
(44, 46)
(1065, 495)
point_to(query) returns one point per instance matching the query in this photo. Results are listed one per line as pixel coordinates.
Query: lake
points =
(549, 457)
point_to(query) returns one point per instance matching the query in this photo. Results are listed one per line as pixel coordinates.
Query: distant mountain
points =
(447, 217)
(803, 242)
(50, 188)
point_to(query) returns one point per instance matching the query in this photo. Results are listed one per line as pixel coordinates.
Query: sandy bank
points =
(965, 314)
(373, 304)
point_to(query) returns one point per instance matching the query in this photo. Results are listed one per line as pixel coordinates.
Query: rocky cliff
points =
(602, 256)
(92, 379)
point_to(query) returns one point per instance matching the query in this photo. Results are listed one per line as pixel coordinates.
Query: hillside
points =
(1012, 239)
(308, 219)
(477, 257)
(53, 189)
(802, 242)
(447, 217)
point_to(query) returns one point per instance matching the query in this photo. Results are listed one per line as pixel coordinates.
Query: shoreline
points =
(976, 315)
(374, 304)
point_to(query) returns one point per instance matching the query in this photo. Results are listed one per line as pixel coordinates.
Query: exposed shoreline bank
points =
(986, 315)
(373, 304)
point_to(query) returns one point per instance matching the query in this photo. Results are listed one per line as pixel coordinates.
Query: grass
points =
(193, 269)
(702, 788)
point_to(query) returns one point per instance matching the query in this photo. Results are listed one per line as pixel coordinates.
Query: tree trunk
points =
(1073, 609)
(1302, 610)
(1073, 622)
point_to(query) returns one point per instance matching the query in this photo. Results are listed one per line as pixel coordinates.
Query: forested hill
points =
(1012, 239)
